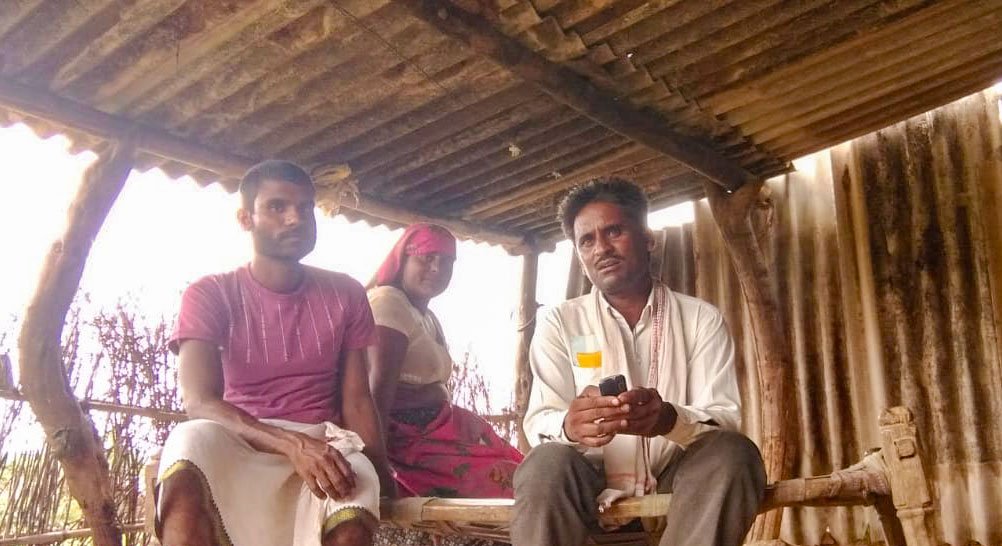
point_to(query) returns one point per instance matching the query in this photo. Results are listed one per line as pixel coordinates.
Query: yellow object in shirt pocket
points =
(590, 360)
(587, 353)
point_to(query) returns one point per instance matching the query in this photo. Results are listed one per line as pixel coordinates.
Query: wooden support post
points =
(6, 373)
(910, 491)
(744, 241)
(526, 327)
(68, 430)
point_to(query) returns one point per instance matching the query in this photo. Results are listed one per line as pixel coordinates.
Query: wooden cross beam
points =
(230, 167)
(567, 87)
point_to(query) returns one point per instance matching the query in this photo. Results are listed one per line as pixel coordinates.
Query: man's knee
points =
(182, 491)
(555, 491)
(544, 464)
(210, 436)
(736, 456)
(552, 474)
(349, 533)
(361, 465)
(183, 517)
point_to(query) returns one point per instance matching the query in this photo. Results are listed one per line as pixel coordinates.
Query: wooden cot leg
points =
(894, 535)
(149, 501)
(910, 491)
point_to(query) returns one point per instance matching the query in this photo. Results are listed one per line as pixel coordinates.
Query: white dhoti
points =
(257, 498)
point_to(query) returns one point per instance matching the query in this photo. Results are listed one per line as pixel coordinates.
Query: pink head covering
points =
(417, 240)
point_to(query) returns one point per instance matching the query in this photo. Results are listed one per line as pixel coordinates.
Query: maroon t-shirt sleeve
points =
(360, 329)
(202, 314)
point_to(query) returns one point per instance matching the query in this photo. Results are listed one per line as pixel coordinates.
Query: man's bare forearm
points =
(261, 436)
(200, 376)
(361, 417)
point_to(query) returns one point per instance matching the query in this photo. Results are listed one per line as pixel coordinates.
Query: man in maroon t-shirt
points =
(283, 445)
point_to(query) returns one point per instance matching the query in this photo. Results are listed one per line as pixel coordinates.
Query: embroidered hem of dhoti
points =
(256, 498)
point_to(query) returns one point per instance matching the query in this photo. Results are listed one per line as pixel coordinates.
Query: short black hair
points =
(617, 191)
(271, 169)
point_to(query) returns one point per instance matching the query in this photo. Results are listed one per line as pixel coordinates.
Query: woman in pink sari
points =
(435, 448)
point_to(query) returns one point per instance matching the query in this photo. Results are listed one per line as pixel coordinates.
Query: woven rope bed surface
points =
(860, 484)
(489, 518)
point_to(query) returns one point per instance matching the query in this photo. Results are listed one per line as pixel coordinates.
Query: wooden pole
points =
(527, 307)
(176, 416)
(567, 87)
(111, 407)
(68, 430)
(60, 536)
(230, 167)
(168, 416)
(733, 215)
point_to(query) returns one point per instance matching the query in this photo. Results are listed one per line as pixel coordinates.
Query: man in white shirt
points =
(674, 430)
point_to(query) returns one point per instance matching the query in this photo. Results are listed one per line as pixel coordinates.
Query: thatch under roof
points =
(440, 113)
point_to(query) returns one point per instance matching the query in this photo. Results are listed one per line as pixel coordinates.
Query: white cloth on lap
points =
(258, 496)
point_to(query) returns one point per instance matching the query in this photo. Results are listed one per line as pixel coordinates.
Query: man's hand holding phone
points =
(600, 413)
(647, 414)
(593, 417)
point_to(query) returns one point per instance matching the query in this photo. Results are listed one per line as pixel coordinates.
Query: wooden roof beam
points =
(49, 106)
(567, 87)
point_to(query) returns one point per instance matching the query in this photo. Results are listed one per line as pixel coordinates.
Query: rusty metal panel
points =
(887, 256)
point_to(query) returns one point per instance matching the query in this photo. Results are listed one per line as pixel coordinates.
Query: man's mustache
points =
(295, 233)
(608, 260)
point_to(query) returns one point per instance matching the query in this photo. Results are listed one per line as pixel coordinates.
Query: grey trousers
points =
(717, 485)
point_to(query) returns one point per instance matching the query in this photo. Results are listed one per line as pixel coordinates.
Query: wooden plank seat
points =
(862, 484)
(890, 479)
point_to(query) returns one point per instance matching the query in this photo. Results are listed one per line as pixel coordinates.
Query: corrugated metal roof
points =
(428, 126)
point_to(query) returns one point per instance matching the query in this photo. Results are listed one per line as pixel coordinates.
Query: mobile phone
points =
(612, 385)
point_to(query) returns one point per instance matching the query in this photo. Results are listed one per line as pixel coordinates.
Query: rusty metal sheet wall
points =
(888, 253)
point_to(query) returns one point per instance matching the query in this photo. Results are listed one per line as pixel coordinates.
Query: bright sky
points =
(164, 233)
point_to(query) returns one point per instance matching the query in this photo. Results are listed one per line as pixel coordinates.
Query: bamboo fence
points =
(121, 370)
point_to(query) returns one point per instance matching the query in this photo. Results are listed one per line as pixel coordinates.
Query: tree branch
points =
(733, 214)
(68, 430)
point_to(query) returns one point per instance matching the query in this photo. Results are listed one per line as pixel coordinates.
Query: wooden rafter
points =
(230, 167)
(567, 87)
(52, 107)
(515, 200)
